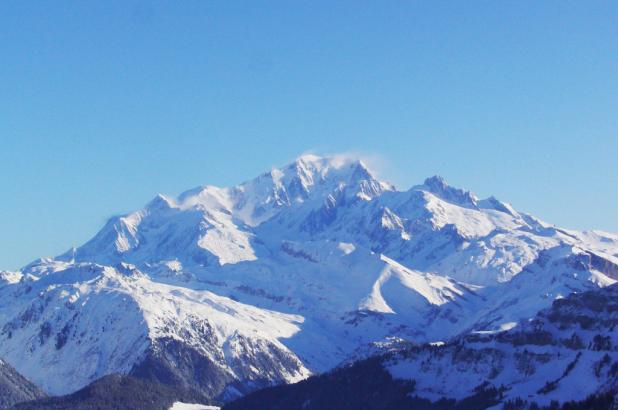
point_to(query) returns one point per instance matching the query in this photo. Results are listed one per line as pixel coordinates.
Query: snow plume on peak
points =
(362, 166)
(335, 161)
(309, 178)
(330, 166)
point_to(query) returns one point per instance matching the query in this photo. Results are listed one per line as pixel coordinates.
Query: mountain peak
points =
(327, 162)
(160, 202)
(309, 158)
(436, 181)
(438, 186)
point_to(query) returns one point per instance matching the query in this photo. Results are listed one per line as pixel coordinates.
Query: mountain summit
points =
(226, 290)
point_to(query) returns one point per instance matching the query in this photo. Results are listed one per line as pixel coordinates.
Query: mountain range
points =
(564, 357)
(307, 268)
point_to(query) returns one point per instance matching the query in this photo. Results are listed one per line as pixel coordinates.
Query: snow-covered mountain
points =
(566, 353)
(226, 290)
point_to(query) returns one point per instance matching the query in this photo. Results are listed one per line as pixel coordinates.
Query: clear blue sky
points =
(104, 104)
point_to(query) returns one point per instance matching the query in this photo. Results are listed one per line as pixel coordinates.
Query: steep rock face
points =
(440, 188)
(225, 290)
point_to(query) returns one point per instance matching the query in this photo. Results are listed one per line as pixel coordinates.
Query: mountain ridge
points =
(285, 275)
(566, 354)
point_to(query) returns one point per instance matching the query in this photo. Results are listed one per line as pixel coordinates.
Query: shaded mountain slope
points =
(14, 388)
(567, 355)
(115, 392)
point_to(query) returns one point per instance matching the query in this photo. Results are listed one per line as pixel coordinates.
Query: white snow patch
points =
(192, 406)
(346, 248)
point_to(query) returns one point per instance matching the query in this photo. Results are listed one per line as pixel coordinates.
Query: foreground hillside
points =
(567, 354)
(14, 388)
(115, 392)
(223, 291)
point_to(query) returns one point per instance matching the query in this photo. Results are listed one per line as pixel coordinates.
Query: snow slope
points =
(191, 406)
(14, 388)
(566, 352)
(284, 275)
